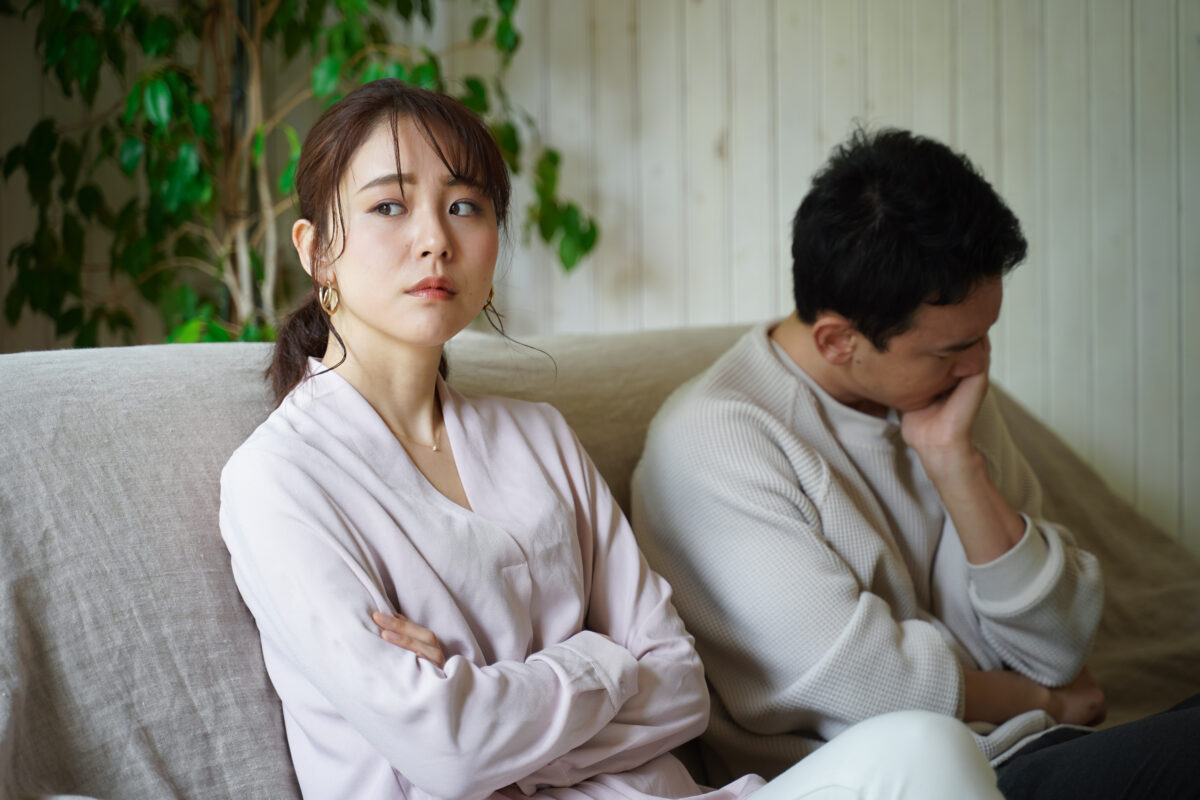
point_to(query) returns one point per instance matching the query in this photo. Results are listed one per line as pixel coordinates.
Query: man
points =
(847, 525)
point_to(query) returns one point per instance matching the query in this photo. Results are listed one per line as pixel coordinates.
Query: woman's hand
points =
(403, 632)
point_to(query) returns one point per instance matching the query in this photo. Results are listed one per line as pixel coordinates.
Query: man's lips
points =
(433, 289)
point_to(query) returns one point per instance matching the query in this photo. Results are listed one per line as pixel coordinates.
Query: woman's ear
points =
(835, 337)
(302, 239)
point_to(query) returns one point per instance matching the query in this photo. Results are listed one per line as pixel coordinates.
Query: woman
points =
(377, 506)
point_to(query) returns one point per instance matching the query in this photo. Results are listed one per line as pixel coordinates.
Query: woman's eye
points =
(389, 209)
(464, 208)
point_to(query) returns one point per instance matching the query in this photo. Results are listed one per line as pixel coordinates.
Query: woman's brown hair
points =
(461, 140)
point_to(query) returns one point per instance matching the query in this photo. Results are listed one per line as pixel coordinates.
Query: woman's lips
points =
(433, 289)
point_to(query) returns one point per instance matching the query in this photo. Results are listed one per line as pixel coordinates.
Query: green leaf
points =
(259, 142)
(288, 179)
(70, 158)
(69, 321)
(131, 154)
(507, 39)
(569, 251)
(293, 140)
(427, 75)
(133, 101)
(14, 158)
(73, 240)
(156, 97)
(201, 119)
(325, 75)
(476, 96)
(405, 9)
(548, 219)
(189, 332)
(426, 11)
(479, 28)
(89, 200)
(85, 60)
(546, 175)
(506, 136)
(506, 7)
(158, 38)
(13, 301)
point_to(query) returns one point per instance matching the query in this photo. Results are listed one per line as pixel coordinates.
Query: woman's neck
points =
(401, 386)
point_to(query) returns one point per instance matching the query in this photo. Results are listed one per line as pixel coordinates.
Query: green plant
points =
(188, 146)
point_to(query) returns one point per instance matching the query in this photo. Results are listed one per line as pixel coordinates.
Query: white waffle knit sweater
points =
(815, 565)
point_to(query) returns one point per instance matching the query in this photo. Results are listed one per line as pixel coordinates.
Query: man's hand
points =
(403, 632)
(941, 432)
(999, 695)
(1080, 702)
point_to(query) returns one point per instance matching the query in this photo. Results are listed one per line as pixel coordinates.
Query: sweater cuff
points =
(1018, 579)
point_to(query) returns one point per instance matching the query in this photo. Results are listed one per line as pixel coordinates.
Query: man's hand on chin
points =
(941, 431)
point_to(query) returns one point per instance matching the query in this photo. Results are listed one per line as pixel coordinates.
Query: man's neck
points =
(796, 339)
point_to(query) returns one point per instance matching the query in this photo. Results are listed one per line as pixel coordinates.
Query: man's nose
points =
(974, 360)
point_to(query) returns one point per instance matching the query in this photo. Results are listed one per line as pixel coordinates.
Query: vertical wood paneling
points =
(1113, 403)
(976, 85)
(570, 127)
(1157, 258)
(691, 129)
(706, 170)
(888, 57)
(661, 199)
(1020, 330)
(1068, 339)
(615, 70)
(523, 286)
(797, 139)
(1189, 156)
(933, 65)
(843, 73)
(753, 263)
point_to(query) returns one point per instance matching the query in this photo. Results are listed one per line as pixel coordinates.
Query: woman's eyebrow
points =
(409, 178)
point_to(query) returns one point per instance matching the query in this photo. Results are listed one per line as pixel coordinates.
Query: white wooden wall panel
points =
(1189, 268)
(1156, 254)
(1113, 314)
(691, 129)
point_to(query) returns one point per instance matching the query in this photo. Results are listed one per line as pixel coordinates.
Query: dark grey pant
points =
(1157, 758)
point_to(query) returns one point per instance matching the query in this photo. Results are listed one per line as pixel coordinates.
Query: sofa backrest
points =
(128, 665)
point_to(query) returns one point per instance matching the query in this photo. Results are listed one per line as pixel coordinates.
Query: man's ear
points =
(302, 239)
(834, 337)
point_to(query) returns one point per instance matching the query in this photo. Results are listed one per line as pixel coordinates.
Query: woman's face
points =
(414, 269)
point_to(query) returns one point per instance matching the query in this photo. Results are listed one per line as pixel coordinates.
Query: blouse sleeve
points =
(459, 731)
(631, 604)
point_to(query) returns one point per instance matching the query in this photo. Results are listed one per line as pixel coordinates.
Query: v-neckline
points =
(378, 446)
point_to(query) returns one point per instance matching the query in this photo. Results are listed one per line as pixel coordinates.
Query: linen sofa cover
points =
(128, 665)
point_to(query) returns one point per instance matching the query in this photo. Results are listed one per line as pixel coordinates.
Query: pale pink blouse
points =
(568, 673)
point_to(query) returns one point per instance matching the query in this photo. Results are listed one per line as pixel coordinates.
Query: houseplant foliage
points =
(177, 177)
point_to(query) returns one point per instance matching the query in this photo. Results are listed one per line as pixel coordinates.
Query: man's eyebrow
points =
(408, 178)
(958, 348)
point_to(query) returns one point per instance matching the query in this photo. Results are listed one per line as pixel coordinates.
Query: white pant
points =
(905, 755)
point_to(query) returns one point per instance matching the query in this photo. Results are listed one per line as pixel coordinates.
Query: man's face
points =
(944, 345)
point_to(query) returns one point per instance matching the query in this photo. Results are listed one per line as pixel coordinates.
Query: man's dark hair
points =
(892, 221)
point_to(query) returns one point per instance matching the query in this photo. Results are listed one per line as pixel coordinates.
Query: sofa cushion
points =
(130, 667)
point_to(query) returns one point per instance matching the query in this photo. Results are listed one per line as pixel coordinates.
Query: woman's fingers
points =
(403, 632)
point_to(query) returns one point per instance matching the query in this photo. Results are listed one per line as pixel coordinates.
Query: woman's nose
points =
(433, 240)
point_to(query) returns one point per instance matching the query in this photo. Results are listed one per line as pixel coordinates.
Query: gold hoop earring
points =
(491, 297)
(328, 297)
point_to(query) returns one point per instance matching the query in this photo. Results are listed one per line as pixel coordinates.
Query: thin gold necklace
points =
(437, 439)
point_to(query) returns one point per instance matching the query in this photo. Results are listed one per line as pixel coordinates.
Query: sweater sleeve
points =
(631, 604)
(1039, 604)
(730, 505)
(460, 731)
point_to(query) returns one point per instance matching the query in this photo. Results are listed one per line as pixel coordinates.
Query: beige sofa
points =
(129, 667)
